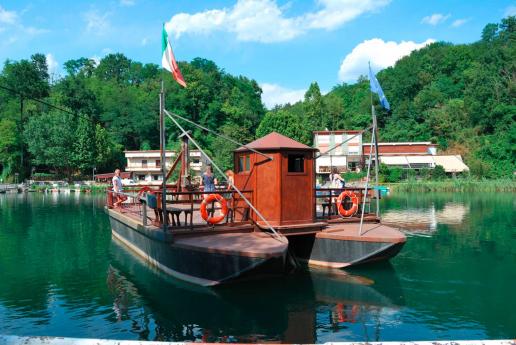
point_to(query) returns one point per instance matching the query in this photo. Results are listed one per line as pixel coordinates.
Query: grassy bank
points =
(455, 185)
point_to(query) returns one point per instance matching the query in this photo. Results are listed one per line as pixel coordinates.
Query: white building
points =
(145, 166)
(346, 157)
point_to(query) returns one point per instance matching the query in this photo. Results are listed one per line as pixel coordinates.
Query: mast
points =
(376, 160)
(163, 156)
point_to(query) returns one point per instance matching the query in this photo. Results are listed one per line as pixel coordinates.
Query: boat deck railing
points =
(182, 208)
(325, 202)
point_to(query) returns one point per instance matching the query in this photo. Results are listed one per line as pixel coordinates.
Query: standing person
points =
(208, 180)
(117, 188)
(336, 180)
(230, 175)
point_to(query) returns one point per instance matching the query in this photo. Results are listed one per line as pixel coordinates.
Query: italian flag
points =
(168, 61)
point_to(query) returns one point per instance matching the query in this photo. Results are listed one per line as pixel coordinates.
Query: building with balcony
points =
(354, 154)
(346, 157)
(145, 165)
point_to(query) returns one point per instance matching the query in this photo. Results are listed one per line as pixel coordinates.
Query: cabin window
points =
(244, 163)
(144, 163)
(158, 163)
(296, 163)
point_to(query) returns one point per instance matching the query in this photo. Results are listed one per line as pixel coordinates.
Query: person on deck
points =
(208, 181)
(117, 188)
(336, 180)
(230, 175)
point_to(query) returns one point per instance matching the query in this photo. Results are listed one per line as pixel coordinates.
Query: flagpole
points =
(162, 145)
(376, 159)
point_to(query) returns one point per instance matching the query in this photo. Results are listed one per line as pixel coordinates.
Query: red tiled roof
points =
(275, 141)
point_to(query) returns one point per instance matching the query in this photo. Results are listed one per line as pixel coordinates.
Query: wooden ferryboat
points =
(272, 220)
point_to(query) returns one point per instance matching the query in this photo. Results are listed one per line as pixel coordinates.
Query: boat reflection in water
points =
(305, 307)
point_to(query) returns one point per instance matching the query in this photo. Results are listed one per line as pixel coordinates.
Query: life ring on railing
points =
(340, 203)
(223, 208)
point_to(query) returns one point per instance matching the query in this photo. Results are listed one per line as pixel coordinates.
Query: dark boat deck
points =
(252, 244)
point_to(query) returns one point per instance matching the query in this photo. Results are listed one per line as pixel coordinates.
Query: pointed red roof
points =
(275, 141)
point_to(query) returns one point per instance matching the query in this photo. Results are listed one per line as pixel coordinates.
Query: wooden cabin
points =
(286, 180)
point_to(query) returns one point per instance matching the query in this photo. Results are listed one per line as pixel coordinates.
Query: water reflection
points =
(425, 220)
(293, 309)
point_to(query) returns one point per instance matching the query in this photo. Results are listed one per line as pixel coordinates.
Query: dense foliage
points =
(458, 96)
(461, 97)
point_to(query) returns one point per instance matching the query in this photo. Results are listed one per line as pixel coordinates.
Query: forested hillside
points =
(459, 96)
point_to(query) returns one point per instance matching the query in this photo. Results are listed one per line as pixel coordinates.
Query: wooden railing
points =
(326, 199)
(185, 203)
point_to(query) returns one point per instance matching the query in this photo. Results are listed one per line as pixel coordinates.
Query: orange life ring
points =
(340, 203)
(223, 208)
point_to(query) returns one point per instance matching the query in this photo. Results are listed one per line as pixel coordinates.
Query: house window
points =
(196, 160)
(155, 177)
(141, 177)
(244, 163)
(158, 163)
(144, 163)
(296, 163)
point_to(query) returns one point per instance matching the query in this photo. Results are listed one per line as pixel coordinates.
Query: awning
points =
(394, 160)
(451, 163)
(415, 162)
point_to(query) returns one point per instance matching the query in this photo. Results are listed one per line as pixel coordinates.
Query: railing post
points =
(144, 213)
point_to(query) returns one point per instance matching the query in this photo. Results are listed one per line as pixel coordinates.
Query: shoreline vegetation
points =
(455, 185)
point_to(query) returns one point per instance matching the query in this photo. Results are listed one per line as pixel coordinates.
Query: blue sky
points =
(284, 45)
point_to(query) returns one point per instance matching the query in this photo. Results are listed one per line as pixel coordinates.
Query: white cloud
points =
(334, 13)
(127, 2)
(510, 11)
(30, 30)
(96, 23)
(459, 22)
(53, 65)
(264, 21)
(381, 54)
(8, 17)
(435, 19)
(95, 59)
(145, 40)
(274, 94)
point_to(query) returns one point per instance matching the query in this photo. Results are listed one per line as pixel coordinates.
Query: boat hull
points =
(340, 245)
(200, 267)
(340, 254)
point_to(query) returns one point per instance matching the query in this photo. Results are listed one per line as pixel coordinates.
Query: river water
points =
(61, 274)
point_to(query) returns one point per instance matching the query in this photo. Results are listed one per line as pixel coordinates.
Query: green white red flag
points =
(168, 61)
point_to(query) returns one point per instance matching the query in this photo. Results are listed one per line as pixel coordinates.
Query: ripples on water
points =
(63, 275)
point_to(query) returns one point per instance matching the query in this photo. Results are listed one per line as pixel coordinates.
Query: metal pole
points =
(376, 160)
(163, 156)
(367, 182)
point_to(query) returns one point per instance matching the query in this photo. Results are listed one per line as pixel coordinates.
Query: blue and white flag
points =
(376, 88)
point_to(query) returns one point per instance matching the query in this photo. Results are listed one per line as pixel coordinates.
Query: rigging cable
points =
(219, 134)
(276, 235)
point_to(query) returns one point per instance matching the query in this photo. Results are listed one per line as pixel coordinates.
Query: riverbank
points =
(455, 185)
(65, 189)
